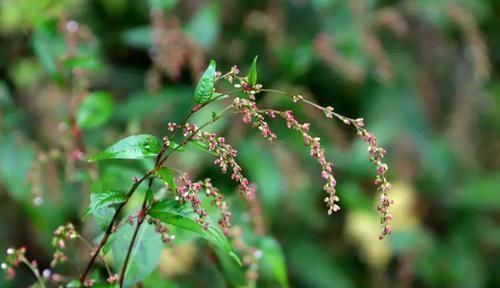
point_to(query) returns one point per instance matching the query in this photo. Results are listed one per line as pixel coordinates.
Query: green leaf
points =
(181, 215)
(205, 89)
(273, 261)
(166, 175)
(252, 73)
(132, 147)
(47, 45)
(95, 110)
(103, 198)
(145, 254)
(203, 147)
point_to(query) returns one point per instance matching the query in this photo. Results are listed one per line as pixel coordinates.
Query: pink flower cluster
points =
(376, 155)
(14, 258)
(248, 109)
(61, 235)
(218, 200)
(188, 191)
(163, 230)
(318, 153)
(226, 160)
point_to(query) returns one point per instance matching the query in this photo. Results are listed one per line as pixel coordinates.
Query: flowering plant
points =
(184, 203)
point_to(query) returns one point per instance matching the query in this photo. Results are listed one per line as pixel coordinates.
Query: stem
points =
(109, 230)
(134, 187)
(34, 270)
(142, 216)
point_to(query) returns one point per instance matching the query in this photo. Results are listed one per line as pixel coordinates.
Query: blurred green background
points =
(422, 73)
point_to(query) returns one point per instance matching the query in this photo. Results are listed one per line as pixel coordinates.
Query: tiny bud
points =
(10, 251)
(237, 85)
(4, 266)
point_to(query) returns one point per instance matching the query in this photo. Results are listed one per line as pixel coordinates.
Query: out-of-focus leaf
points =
(316, 268)
(74, 284)
(252, 73)
(132, 147)
(47, 45)
(165, 5)
(182, 216)
(205, 89)
(166, 175)
(145, 255)
(16, 158)
(479, 192)
(272, 263)
(95, 110)
(83, 62)
(204, 26)
(139, 37)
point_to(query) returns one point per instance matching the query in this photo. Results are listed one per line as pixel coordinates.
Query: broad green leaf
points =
(102, 197)
(95, 110)
(132, 147)
(205, 25)
(173, 213)
(145, 255)
(205, 89)
(166, 175)
(252, 73)
(273, 261)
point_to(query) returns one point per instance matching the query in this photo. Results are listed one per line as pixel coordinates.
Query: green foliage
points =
(132, 147)
(205, 89)
(145, 255)
(252, 73)
(95, 110)
(180, 215)
(101, 198)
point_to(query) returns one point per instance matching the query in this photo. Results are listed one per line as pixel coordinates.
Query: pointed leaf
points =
(252, 73)
(181, 215)
(132, 147)
(145, 254)
(166, 175)
(273, 261)
(205, 89)
(102, 197)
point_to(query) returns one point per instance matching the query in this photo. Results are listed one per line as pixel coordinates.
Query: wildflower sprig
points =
(183, 203)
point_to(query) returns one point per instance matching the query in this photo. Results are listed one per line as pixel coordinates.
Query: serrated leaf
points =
(145, 254)
(102, 197)
(252, 73)
(95, 110)
(166, 175)
(182, 216)
(205, 89)
(132, 147)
